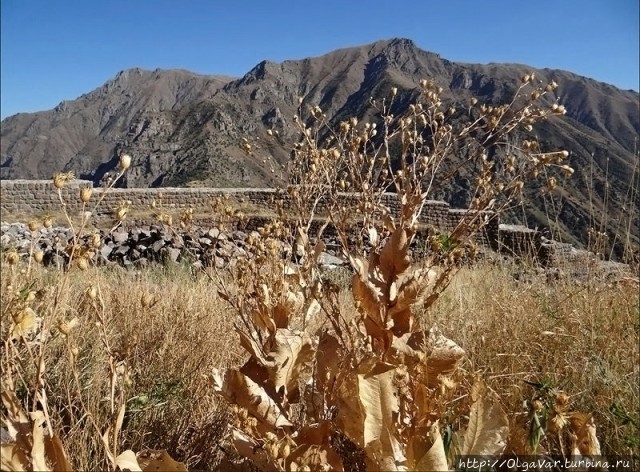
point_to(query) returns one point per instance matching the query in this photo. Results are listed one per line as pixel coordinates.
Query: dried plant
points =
(315, 376)
(40, 316)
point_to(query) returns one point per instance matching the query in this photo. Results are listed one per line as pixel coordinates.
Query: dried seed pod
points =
(125, 161)
(85, 194)
(82, 263)
(13, 258)
(146, 300)
(38, 256)
(62, 178)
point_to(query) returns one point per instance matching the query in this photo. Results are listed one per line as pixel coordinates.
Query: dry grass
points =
(169, 346)
(582, 339)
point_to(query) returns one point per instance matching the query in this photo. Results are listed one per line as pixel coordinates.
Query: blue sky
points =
(56, 50)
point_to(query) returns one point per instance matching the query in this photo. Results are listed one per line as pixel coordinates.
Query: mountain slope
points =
(185, 128)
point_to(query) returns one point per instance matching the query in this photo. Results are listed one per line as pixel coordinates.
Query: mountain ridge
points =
(185, 128)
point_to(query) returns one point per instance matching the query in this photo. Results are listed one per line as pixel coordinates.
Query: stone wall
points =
(39, 197)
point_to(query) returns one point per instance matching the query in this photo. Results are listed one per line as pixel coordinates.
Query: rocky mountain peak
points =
(184, 128)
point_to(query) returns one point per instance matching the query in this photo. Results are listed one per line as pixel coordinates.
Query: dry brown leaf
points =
(159, 460)
(402, 353)
(38, 459)
(127, 461)
(488, 428)
(240, 390)
(381, 338)
(368, 298)
(350, 417)
(379, 401)
(394, 256)
(411, 203)
(427, 451)
(412, 285)
(56, 454)
(262, 319)
(401, 322)
(13, 458)
(290, 353)
(435, 458)
(252, 347)
(443, 355)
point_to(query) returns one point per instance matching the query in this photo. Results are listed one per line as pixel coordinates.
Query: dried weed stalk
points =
(319, 382)
(39, 316)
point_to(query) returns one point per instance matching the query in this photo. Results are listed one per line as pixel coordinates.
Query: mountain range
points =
(184, 129)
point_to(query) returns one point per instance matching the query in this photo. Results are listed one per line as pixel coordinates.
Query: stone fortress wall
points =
(39, 197)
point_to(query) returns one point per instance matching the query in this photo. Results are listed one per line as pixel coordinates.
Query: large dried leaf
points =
(13, 458)
(379, 403)
(401, 322)
(350, 417)
(127, 461)
(381, 338)
(38, 459)
(427, 450)
(252, 347)
(291, 352)
(240, 390)
(262, 319)
(443, 355)
(488, 428)
(394, 256)
(403, 352)
(56, 454)
(412, 285)
(153, 460)
(368, 298)
(411, 204)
